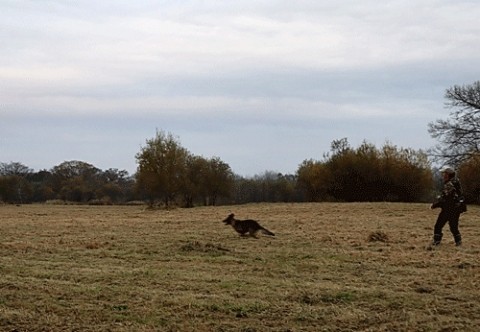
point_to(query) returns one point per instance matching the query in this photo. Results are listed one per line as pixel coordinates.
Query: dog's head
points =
(229, 219)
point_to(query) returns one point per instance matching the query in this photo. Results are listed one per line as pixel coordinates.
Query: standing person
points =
(451, 203)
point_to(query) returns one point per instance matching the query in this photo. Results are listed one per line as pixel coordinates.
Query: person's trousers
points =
(452, 218)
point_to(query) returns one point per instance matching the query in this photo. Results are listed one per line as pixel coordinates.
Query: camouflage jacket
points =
(450, 196)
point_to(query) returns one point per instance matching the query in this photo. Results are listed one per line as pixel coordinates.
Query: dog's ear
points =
(231, 215)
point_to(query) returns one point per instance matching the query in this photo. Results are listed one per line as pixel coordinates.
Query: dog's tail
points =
(267, 232)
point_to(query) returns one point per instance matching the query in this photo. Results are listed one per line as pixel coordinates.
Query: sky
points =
(263, 85)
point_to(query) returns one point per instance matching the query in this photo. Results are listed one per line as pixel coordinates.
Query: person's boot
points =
(458, 240)
(437, 239)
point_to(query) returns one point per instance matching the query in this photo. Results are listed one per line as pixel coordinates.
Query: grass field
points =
(330, 267)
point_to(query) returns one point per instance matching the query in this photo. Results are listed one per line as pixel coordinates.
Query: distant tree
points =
(410, 175)
(15, 189)
(283, 187)
(161, 168)
(14, 168)
(272, 186)
(76, 181)
(367, 174)
(469, 175)
(115, 186)
(354, 172)
(459, 136)
(314, 179)
(266, 186)
(41, 182)
(269, 186)
(218, 180)
(245, 190)
(74, 168)
(14, 185)
(339, 147)
(194, 182)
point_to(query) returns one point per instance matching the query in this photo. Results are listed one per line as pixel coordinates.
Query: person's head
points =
(447, 173)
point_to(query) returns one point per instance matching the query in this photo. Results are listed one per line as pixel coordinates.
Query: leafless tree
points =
(459, 135)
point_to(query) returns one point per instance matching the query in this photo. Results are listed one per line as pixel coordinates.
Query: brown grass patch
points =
(331, 267)
(378, 236)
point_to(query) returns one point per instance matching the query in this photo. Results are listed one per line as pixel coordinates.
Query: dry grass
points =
(331, 267)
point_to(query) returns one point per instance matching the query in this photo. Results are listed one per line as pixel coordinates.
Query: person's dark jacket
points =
(451, 198)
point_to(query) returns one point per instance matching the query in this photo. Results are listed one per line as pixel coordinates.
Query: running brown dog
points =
(246, 226)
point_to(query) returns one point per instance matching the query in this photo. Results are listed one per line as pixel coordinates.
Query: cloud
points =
(288, 76)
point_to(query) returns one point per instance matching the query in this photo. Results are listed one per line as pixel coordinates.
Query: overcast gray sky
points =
(261, 84)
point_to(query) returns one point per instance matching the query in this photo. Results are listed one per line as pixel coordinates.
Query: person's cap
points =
(447, 169)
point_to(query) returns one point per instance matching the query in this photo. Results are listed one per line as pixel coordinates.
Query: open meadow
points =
(330, 267)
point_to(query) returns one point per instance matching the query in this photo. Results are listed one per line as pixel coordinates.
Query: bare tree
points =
(14, 185)
(458, 136)
(15, 168)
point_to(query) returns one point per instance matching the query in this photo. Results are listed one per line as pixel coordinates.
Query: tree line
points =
(71, 181)
(168, 174)
(368, 173)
